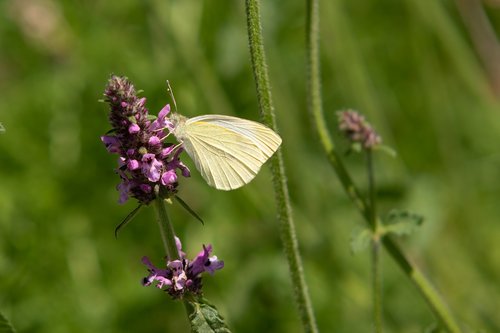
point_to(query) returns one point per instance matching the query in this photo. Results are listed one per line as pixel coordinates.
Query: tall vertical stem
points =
(436, 303)
(287, 227)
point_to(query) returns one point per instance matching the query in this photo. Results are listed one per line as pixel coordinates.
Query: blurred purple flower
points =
(146, 161)
(357, 130)
(184, 275)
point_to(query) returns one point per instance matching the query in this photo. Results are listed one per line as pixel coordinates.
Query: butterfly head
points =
(178, 122)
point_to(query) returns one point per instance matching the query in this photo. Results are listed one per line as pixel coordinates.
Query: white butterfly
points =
(228, 151)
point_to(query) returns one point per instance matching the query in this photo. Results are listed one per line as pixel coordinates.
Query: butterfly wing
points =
(263, 137)
(228, 151)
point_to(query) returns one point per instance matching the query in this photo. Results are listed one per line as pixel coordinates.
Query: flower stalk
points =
(376, 268)
(432, 297)
(166, 230)
(149, 167)
(287, 226)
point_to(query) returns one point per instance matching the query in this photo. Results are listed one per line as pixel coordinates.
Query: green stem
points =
(287, 227)
(423, 284)
(377, 286)
(432, 297)
(376, 268)
(166, 230)
(168, 238)
(371, 191)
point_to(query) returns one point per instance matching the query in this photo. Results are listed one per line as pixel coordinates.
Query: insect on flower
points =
(228, 151)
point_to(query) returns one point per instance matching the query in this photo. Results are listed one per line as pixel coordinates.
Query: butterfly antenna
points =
(171, 92)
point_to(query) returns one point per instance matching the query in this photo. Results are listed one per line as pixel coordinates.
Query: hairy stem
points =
(432, 297)
(287, 227)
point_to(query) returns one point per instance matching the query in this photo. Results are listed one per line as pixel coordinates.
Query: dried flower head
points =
(182, 276)
(147, 165)
(357, 130)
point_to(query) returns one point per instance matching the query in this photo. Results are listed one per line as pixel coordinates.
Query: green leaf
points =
(132, 119)
(204, 318)
(129, 218)
(360, 239)
(386, 149)
(5, 326)
(356, 147)
(402, 222)
(190, 211)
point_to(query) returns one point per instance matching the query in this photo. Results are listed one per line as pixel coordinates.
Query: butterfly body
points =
(228, 151)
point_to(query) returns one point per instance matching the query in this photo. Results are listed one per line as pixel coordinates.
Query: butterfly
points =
(228, 151)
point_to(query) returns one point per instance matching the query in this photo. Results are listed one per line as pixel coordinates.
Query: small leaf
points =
(127, 219)
(190, 211)
(402, 222)
(205, 318)
(386, 149)
(356, 147)
(360, 239)
(5, 326)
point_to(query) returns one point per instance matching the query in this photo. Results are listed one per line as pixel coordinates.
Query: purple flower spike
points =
(145, 160)
(184, 275)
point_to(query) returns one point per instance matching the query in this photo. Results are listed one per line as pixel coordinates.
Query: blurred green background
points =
(410, 66)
